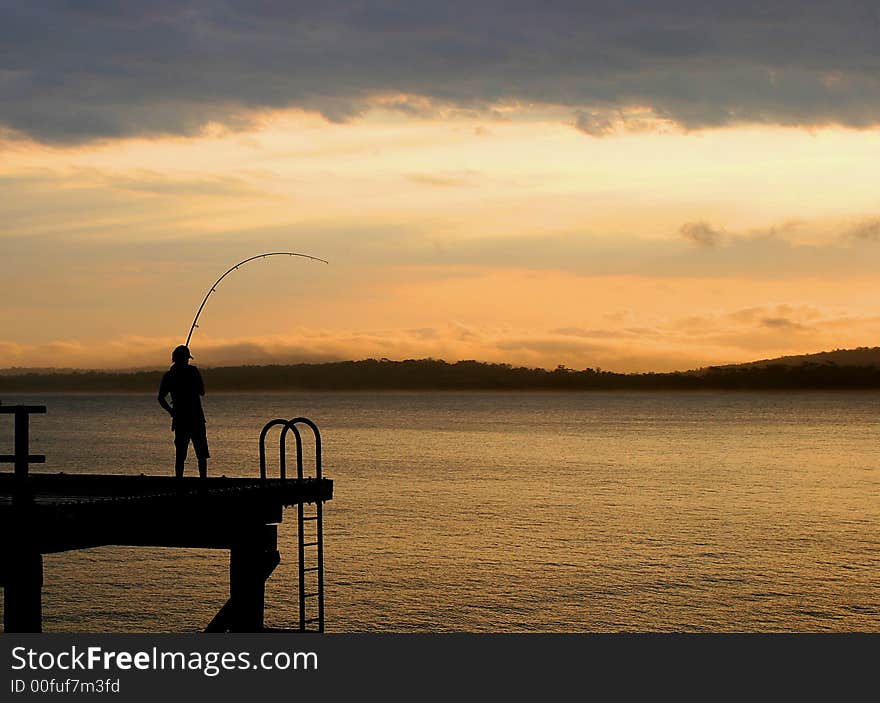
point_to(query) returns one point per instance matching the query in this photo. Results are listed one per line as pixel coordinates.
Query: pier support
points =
(22, 592)
(252, 559)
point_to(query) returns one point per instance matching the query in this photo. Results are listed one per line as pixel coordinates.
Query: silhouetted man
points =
(184, 383)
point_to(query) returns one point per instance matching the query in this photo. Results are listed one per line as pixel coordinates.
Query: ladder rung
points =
(312, 517)
(306, 622)
(310, 544)
(311, 568)
(311, 595)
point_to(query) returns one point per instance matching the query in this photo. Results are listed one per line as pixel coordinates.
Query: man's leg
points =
(200, 444)
(181, 444)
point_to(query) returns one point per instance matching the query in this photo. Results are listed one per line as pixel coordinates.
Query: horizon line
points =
(21, 370)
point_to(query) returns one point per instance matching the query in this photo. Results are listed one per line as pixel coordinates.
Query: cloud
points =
(782, 323)
(602, 122)
(614, 333)
(452, 180)
(98, 69)
(868, 230)
(152, 183)
(747, 334)
(701, 233)
(82, 215)
(452, 343)
(594, 123)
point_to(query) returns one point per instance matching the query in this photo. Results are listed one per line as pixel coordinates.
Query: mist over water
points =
(511, 512)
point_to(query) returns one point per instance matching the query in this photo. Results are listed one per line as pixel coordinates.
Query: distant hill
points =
(840, 369)
(862, 356)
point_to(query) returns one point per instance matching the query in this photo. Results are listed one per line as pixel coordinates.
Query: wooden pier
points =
(47, 513)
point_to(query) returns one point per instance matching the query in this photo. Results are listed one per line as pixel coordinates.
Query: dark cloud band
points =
(73, 71)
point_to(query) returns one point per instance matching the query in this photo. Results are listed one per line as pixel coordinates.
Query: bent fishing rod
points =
(235, 268)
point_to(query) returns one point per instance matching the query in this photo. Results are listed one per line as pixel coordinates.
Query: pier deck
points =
(45, 513)
(58, 512)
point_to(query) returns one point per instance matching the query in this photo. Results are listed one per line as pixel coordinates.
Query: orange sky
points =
(633, 186)
(520, 240)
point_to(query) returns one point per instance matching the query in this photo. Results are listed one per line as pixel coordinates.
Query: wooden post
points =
(21, 458)
(22, 592)
(23, 570)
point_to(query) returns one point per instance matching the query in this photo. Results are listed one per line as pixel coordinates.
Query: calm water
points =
(514, 512)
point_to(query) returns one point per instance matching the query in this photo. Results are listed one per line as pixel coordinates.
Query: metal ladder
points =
(311, 573)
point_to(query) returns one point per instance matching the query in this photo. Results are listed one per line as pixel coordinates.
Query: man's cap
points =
(181, 352)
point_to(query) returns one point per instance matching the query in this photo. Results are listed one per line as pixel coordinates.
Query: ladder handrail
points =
(282, 451)
(283, 468)
(291, 425)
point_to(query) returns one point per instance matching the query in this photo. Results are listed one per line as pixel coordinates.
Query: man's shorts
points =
(195, 432)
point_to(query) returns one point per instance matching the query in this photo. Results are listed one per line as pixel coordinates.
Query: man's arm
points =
(163, 391)
(201, 383)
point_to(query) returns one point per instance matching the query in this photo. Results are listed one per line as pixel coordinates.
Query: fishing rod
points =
(235, 268)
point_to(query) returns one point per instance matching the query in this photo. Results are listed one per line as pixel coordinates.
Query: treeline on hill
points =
(430, 374)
